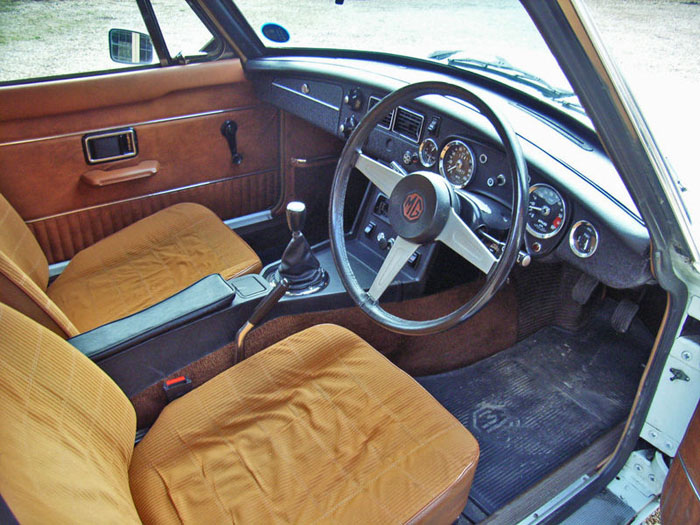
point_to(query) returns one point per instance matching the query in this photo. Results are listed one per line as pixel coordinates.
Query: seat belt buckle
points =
(177, 387)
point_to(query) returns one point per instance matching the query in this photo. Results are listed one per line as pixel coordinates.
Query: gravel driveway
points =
(655, 44)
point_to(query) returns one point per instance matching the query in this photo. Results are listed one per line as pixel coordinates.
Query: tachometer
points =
(546, 211)
(457, 163)
(428, 153)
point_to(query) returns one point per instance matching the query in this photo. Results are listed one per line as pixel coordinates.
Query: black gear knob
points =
(296, 215)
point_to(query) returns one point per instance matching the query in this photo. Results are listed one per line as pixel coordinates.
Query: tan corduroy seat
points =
(317, 428)
(124, 273)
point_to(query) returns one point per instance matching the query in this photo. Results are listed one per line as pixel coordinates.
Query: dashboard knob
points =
(347, 127)
(354, 99)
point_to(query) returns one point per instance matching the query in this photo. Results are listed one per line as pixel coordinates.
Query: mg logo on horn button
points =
(413, 206)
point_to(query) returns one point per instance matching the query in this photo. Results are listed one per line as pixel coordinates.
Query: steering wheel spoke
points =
(397, 257)
(460, 237)
(383, 177)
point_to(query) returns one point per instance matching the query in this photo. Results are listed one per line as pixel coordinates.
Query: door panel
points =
(63, 235)
(680, 502)
(46, 175)
(177, 113)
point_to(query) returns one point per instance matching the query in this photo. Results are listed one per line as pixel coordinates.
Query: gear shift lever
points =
(299, 265)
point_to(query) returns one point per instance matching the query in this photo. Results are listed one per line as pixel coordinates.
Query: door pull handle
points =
(144, 169)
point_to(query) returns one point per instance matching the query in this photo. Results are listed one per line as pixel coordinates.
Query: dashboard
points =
(579, 211)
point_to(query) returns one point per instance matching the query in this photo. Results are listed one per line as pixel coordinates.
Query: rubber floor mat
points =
(537, 404)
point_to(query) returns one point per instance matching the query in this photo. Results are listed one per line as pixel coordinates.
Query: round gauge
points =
(428, 153)
(583, 239)
(546, 211)
(457, 163)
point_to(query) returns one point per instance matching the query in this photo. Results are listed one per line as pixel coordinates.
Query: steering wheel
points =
(423, 208)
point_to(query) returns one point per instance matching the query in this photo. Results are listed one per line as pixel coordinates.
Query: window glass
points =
(45, 39)
(183, 31)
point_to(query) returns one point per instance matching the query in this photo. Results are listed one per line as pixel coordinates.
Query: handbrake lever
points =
(261, 311)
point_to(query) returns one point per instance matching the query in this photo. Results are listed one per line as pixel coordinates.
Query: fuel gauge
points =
(583, 239)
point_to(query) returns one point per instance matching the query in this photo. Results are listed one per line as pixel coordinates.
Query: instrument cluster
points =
(547, 214)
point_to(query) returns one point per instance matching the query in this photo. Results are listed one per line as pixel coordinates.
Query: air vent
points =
(408, 124)
(388, 118)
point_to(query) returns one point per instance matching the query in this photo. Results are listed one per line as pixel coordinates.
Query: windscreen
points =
(494, 31)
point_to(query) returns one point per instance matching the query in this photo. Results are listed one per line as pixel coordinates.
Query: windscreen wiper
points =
(502, 68)
(513, 73)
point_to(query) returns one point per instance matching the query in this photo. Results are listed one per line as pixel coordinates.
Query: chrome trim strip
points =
(691, 482)
(56, 269)
(144, 123)
(249, 220)
(308, 97)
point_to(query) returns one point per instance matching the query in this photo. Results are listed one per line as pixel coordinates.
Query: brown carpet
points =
(488, 332)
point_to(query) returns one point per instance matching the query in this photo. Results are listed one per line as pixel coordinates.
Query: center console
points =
(145, 348)
(367, 243)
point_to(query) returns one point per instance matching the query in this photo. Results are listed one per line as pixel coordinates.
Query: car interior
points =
(318, 288)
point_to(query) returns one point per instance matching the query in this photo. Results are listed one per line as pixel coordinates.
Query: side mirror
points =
(130, 47)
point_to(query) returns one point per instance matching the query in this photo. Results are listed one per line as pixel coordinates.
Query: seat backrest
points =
(19, 245)
(24, 273)
(66, 431)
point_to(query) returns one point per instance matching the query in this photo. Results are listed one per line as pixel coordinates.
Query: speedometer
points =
(457, 163)
(546, 211)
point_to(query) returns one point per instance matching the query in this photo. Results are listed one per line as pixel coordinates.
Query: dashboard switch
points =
(413, 259)
(382, 241)
(434, 125)
(369, 228)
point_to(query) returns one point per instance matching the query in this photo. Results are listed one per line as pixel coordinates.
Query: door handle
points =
(144, 169)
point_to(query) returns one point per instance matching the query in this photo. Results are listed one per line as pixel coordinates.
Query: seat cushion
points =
(147, 262)
(318, 427)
